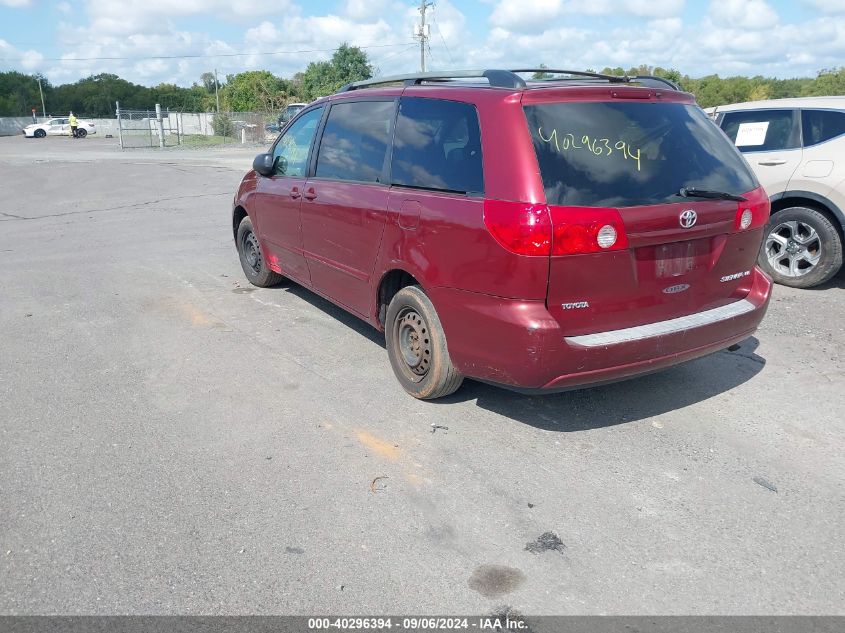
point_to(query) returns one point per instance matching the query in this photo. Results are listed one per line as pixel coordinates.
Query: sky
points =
(175, 41)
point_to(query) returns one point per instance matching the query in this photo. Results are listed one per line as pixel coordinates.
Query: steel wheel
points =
(251, 258)
(793, 248)
(251, 251)
(413, 341)
(416, 346)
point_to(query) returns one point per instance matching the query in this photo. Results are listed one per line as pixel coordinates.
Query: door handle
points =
(294, 192)
(772, 162)
(309, 194)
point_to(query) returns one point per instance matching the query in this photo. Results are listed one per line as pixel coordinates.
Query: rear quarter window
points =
(437, 146)
(822, 125)
(621, 154)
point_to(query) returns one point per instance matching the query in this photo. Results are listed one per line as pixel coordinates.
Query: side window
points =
(355, 140)
(762, 130)
(822, 125)
(291, 151)
(437, 145)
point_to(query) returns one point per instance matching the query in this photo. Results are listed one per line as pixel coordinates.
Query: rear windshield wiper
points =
(691, 192)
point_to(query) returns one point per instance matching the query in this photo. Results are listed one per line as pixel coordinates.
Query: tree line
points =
(713, 90)
(262, 91)
(250, 91)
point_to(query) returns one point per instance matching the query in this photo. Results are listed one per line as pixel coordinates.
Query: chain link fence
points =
(224, 128)
(146, 128)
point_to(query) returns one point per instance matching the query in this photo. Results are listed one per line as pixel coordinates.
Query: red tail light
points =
(580, 230)
(522, 228)
(757, 206)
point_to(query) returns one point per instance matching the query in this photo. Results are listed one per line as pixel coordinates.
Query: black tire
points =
(801, 248)
(252, 259)
(39, 134)
(80, 133)
(416, 346)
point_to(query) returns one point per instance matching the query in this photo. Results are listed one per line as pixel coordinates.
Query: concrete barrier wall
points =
(10, 126)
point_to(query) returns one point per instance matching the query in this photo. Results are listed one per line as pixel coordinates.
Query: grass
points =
(201, 140)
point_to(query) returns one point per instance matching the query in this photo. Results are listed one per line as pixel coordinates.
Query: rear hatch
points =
(629, 247)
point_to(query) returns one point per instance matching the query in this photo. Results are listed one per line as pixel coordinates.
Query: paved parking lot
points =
(173, 440)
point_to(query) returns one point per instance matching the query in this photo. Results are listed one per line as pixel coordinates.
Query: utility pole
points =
(43, 109)
(216, 91)
(423, 32)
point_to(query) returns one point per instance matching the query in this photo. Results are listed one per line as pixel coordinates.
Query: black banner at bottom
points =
(421, 624)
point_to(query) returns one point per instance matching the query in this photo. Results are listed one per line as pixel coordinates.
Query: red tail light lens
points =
(522, 228)
(580, 230)
(754, 212)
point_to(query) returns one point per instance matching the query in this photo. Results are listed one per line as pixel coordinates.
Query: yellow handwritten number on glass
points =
(597, 147)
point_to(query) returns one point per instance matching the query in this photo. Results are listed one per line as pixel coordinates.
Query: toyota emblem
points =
(688, 218)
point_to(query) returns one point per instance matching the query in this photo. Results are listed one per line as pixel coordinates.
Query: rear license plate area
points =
(680, 258)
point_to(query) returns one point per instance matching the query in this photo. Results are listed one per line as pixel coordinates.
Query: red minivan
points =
(539, 235)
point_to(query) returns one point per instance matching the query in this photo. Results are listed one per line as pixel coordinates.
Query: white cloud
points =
(743, 14)
(783, 50)
(536, 14)
(365, 10)
(655, 33)
(654, 8)
(15, 4)
(30, 60)
(522, 17)
(827, 6)
(108, 16)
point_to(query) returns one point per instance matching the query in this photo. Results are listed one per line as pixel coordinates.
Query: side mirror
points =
(264, 164)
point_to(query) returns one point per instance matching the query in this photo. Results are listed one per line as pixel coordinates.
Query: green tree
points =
(19, 94)
(348, 64)
(254, 91)
(828, 82)
(540, 75)
(208, 82)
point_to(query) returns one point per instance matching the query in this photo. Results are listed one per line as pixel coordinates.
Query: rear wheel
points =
(80, 133)
(252, 259)
(801, 249)
(39, 134)
(416, 346)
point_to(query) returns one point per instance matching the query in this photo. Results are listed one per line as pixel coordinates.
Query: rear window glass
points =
(822, 125)
(355, 141)
(630, 154)
(437, 146)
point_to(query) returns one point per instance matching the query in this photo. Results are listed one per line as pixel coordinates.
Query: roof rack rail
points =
(656, 82)
(577, 73)
(497, 79)
(652, 81)
(503, 78)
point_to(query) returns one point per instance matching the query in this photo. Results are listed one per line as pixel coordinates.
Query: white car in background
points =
(797, 149)
(58, 127)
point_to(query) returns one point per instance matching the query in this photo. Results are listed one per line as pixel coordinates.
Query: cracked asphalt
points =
(175, 441)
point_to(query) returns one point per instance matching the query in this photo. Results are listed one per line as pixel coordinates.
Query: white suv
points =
(797, 149)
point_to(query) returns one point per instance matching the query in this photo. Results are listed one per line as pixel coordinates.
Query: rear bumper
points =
(519, 344)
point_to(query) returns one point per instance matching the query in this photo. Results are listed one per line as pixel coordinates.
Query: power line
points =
(203, 56)
(440, 33)
(394, 54)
